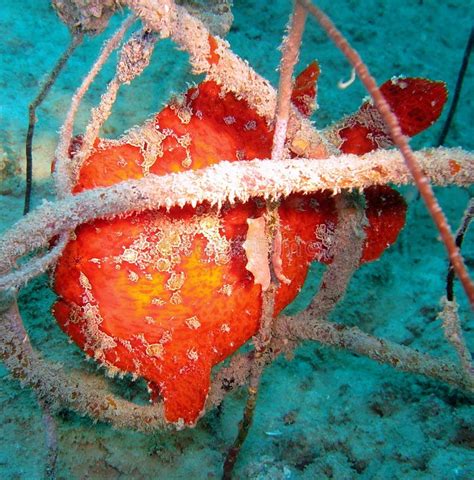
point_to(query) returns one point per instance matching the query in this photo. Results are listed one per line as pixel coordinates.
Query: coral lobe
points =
(166, 295)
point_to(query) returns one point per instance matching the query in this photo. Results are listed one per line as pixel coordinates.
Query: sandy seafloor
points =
(326, 413)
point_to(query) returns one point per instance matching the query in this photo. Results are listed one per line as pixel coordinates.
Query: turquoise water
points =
(325, 413)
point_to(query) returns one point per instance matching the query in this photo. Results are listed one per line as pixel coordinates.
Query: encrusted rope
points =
(238, 181)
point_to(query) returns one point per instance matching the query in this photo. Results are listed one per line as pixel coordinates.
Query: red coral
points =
(303, 95)
(166, 294)
(417, 102)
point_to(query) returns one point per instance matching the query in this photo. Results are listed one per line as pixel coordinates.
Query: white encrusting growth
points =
(224, 182)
